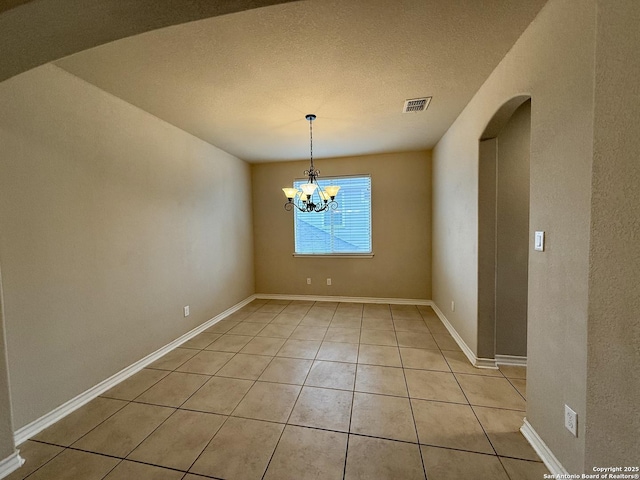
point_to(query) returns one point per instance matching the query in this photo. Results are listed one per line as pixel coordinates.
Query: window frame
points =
(368, 254)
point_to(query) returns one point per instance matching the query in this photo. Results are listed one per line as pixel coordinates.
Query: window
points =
(346, 230)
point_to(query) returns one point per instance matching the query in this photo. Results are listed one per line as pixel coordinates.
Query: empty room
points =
(319, 239)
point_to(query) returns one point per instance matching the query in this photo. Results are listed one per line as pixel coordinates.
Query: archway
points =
(503, 233)
(33, 33)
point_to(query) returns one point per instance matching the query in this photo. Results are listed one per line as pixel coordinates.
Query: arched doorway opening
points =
(503, 233)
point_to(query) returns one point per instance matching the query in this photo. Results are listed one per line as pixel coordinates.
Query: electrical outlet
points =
(308, 280)
(186, 311)
(571, 420)
(453, 306)
(328, 281)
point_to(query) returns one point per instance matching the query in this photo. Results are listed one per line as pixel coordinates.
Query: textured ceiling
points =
(244, 81)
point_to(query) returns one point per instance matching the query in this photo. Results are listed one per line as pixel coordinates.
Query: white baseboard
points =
(545, 454)
(328, 298)
(489, 363)
(481, 362)
(514, 360)
(10, 464)
(35, 427)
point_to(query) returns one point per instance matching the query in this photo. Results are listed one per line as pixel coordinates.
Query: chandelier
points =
(311, 197)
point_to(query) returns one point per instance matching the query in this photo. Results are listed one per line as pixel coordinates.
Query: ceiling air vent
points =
(416, 104)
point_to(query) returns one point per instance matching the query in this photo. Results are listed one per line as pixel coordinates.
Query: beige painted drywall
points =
(110, 222)
(7, 446)
(553, 61)
(401, 230)
(613, 362)
(487, 195)
(512, 234)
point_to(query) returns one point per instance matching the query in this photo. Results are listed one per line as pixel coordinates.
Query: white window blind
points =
(346, 230)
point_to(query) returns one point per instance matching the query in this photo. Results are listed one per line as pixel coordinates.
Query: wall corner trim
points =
(35, 427)
(515, 360)
(11, 464)
(545, 454)
(475, 361)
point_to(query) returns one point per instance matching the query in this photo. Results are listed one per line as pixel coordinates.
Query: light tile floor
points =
(301, 390)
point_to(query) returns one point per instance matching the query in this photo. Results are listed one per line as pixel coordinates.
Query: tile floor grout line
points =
(45, 463)
(353, 395)
(504, 469)
(491, 455)
(301, 426)
(301, 387)
(230, 414)
(511, 383)
(83, 450)
(406, 442)
(135, 461)
(413, 417)
(227, 416)
(292, 409)
(511, 457)
(114, 467)
(475, 415)
(378, 437)
(488, 406)
(152, 432)
(208, 443)
(128, 402)
(419, 444)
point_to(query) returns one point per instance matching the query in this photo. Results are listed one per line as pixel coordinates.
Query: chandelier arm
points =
(290, 205)
(332, 205)
(312, 207)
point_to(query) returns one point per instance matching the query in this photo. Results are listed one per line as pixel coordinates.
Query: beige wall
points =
(512, 234)
(613, 384)
(487, 196)
(401, 231)
(7, 446)
(110, 221)
(553, 61)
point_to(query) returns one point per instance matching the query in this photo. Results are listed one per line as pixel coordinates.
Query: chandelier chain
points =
(311, 198)
(311, 141)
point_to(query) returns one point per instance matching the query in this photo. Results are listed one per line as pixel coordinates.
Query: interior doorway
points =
(503, 232)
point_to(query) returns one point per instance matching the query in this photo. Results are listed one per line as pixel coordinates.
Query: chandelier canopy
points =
(311, 197)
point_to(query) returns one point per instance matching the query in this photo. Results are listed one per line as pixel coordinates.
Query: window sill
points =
(333, 255)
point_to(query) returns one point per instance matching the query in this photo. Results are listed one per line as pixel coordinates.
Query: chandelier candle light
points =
(311, 197)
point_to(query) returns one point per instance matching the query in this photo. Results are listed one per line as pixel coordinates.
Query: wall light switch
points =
(186, 311)
(571, 420)
(328, 281)
(539, 242)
